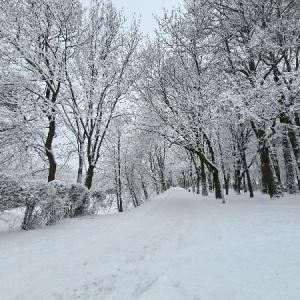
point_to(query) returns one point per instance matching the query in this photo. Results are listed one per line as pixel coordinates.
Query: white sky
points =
(143, 8)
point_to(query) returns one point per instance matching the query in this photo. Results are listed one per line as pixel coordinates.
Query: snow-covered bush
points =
(75, 198)
(97, 201)
(10, 191)
(79, 203)
(44, 202)
(62, 192)
(10, 201)
(42, 205)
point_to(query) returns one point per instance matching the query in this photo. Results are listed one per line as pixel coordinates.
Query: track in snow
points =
(177, 246)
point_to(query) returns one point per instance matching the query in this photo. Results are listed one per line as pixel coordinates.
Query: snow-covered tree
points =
(100, 75)
(38, 38)
(178, 86)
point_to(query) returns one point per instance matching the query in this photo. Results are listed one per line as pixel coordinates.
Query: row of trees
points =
(211, 102)
(224, 80)
(65, 67)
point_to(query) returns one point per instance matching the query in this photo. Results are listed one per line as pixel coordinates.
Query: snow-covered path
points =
(177, 246)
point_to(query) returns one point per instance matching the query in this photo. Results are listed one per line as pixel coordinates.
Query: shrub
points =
(41, 204)
(78, 201)
(62, 192)
(97, 201)
(10, 193)
(45, 203)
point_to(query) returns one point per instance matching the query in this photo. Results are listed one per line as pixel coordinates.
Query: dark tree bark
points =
(289, 168)
(218, 187)
(198, 180)
(226, 175)
(215, 172)
(203, 180)
(247, 173)
(192, 182)
(132, 192)
(144, 188)
(209, 181)
(237, 178)
(48, 148)
(117, 168)
(51, 132)
(80, 162)
(226, 182)
(131, 187)
(267, 173)
(184, 180)
(292, 137)
(198, 174)
(89, 176)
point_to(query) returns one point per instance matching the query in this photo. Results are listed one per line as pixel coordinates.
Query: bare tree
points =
(39, 38)
(101, 74)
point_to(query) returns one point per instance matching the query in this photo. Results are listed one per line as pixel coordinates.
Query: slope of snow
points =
(177, 246)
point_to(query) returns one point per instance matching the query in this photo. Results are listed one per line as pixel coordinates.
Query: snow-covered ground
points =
(177, 246)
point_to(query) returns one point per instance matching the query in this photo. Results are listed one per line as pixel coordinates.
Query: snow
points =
(177, 246)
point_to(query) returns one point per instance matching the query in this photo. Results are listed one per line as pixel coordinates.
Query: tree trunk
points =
(130, 184)
(89, 176)
(298, 179)
(295, 145)
(192, 183)
(170, 180)
(289, 167)
(210, 182)
(184, 183)
(162, 179)
(237, 180)
(120, 202)
(266, 170)
(198, 173)
(244, 184)
(276, 172)
(226, 177)
(118, 189)
(153, 172)
(48, 148)
(249, 183)
(203, 180)
(284, 119)
(198, 180)
(217, 184)
(226, 182)
(250, 188)
(216, 180)
(132, 193)
(118, 174)
(145, 190)
(274, 161)
(80, 162)
(51, 98)
(156, 186)
(297, 122)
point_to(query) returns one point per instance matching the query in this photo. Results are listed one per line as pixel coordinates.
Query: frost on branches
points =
(43, 202)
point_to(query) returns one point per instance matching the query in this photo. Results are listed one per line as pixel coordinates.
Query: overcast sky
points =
(143, 8)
